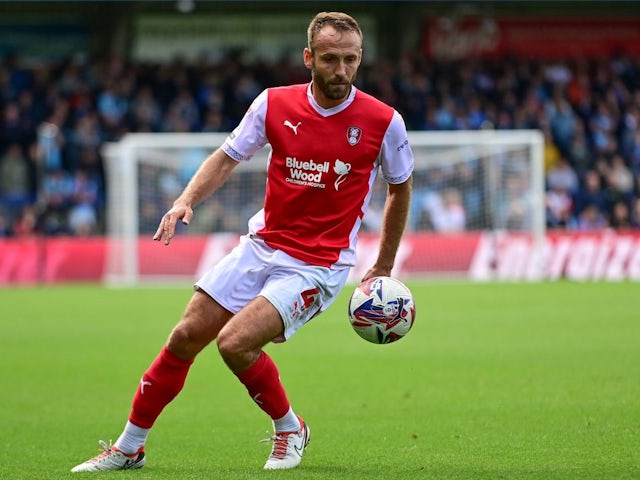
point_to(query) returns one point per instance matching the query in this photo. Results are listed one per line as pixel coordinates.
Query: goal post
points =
(145, 173)
(472, 189)
(499, 177)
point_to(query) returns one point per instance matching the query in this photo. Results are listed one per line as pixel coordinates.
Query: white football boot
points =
(111, 459)
(288, 448)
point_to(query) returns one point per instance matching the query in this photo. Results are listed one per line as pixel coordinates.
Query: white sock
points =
(288, 423)
(131, 438)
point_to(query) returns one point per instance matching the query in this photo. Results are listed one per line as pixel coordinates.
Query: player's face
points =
(334, 64)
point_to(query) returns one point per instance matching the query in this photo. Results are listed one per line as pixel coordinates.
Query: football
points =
(382, 310)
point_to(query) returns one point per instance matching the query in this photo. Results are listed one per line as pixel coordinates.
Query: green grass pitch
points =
(495, 381)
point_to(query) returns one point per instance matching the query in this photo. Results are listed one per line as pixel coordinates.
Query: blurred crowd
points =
(54, 118)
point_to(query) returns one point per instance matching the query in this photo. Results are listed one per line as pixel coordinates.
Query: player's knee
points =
(234, 351)
(182, 343)
(228, 344)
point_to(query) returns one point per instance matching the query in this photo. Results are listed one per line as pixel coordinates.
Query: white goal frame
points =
(121, 266)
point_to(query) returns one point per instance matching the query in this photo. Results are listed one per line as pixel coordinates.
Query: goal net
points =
(477, 209)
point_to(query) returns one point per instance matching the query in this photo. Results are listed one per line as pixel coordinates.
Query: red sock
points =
(158, 386)
(265, 388)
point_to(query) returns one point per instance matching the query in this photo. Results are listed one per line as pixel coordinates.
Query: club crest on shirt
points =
(354, 134)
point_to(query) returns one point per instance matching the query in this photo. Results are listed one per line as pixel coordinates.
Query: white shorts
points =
(298, 291)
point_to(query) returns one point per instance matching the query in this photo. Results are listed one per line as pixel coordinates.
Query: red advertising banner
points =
(477, 256)
(51, 260)
(544, 38)
(602, 255)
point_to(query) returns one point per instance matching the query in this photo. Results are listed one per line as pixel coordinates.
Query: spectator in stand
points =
(467, 179)
(112, 107)
(561, 121)
(629, 130)
(82, 220)
(90, 161)
(209, 94)
(513, 211)
(552, 153)
(214, 122)
(15, 178)
(31, 114)
(591, 219)
(578, 153)
(619, 181)
(454, 217)
(529, 113)
(51, 141)
(620, 216)
(563, 175)
(12, 128)
(444, 117)
(602, 125)
(579, 87)
(86, 135)
(446, 211)
(145, 111)
(183, 113)
(57, 194)
(591, 193)
(82, 213)
(559, 207)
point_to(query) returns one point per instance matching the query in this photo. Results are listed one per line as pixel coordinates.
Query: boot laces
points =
(280, 443)
(107, 448)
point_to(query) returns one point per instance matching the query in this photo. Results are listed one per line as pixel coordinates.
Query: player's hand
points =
(376, 272)
(167, 227)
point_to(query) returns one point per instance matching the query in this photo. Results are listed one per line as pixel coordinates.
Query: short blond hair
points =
(338, 20)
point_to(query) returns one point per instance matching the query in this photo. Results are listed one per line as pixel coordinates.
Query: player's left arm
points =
(397, 164)
(394, 220)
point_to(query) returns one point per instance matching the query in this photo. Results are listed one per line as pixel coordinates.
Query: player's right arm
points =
(211, 175)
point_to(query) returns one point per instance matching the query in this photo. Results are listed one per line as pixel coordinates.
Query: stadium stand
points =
(56, 116)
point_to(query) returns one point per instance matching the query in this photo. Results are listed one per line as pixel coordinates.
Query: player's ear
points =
(308, 58)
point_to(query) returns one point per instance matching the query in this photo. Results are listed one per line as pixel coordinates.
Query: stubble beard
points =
(331, 90)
